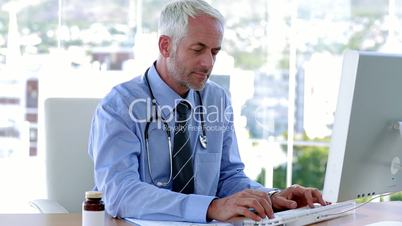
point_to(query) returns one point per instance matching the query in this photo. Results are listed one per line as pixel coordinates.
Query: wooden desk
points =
(51, 220)
(370, 213)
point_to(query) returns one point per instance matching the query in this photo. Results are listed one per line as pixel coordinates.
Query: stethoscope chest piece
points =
(203, 141)
(160, 184)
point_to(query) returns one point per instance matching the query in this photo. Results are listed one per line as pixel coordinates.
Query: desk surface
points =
(51, 220)
(370, 213)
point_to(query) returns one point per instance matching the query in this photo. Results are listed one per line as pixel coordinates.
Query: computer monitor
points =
(366, 146)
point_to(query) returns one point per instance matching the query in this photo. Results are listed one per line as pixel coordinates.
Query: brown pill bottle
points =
(93, 209)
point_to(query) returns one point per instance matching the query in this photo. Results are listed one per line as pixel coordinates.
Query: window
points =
(281, 62)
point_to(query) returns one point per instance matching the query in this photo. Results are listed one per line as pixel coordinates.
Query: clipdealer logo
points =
(216, 117)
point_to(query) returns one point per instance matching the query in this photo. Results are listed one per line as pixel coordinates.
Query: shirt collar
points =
(166, 97)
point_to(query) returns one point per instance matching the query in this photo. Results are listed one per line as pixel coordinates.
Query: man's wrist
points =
(210, 210)
(273, 192)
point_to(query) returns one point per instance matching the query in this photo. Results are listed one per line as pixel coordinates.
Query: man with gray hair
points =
(163, 144)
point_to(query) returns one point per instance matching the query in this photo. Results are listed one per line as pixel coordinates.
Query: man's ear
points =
(165, 44)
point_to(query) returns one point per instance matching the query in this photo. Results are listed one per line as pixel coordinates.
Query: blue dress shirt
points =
(118, 148)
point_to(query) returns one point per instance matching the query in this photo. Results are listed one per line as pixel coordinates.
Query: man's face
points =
(192, 62)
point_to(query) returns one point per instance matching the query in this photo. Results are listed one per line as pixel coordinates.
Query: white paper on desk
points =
(173, 223)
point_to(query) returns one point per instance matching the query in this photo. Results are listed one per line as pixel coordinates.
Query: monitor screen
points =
(366, 145)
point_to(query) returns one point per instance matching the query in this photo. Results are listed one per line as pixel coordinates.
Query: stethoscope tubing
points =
(202, 138)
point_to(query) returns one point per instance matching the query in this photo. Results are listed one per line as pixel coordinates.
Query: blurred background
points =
(281, 63)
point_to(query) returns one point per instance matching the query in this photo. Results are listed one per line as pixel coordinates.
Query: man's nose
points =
(207, 60)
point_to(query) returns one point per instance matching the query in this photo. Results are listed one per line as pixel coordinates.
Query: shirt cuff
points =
(197, 208)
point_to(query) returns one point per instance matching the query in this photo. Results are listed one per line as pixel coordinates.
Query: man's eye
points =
(197, 50)
(215, 52)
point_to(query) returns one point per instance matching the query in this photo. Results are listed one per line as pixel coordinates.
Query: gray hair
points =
(174, 17)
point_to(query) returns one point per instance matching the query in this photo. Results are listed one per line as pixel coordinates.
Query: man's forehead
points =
(204, 20)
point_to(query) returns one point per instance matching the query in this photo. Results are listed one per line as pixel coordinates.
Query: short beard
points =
(178, 75)
(172, 68)
(174, 73)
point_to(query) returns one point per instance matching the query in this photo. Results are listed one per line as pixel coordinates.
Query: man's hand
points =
(240, 204)
(297, 196)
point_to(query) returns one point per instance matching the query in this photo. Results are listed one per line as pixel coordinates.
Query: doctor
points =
(163, 144)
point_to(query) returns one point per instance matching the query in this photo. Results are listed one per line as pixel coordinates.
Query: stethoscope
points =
(202, 138)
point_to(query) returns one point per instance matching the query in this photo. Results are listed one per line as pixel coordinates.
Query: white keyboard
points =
(305, 215)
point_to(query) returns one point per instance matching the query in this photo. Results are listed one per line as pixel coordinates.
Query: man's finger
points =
(267, 207)
(243, 211)
(309, 197)
(264, 199)
(280, 202)
(252, 203)
(259, 195)
(318, 195)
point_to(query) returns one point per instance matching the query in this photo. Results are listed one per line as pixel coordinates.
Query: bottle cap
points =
(93, 195)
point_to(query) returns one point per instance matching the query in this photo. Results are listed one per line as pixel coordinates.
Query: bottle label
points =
(93, 218)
